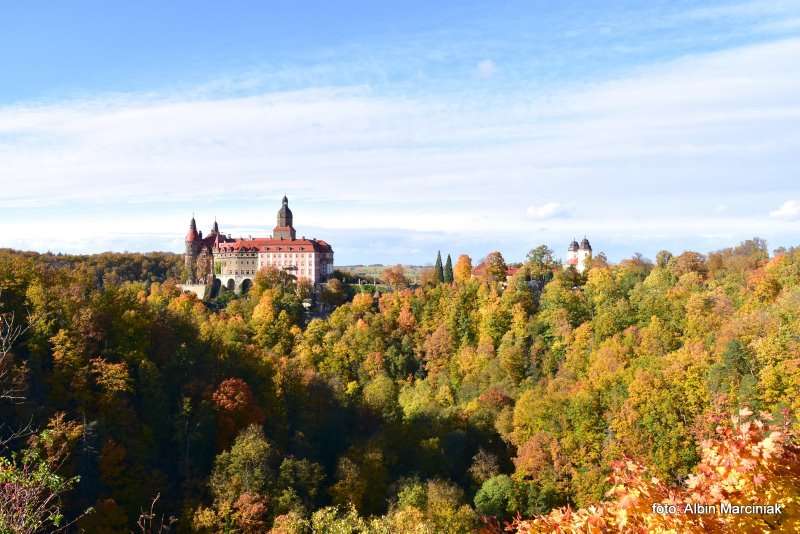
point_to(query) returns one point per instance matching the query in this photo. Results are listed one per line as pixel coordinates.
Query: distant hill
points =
(368, 272)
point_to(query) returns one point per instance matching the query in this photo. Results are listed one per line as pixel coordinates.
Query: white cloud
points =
(547, 210)
(486, 69)
(790, 211)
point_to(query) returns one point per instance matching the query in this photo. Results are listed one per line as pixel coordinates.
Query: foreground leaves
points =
(751, 461)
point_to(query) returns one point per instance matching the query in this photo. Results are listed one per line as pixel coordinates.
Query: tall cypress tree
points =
(438, 271)
(448, 270)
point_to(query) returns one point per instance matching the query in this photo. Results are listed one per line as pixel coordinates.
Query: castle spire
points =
(192, 234)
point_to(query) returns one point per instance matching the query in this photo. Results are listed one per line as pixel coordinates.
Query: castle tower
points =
(192, 239)
(572, 255)
(584, 254)
(284, 228)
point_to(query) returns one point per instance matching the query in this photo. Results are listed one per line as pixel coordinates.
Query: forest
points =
(472, 401)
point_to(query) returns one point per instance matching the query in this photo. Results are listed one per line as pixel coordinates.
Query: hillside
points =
(444, 408)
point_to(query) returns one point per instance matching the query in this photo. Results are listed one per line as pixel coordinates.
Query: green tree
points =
(662, 258)
(495, 497)
(438, 270)
(30, 494)
(448, 270)
(299, 483)
(540, 264)
(245, 468)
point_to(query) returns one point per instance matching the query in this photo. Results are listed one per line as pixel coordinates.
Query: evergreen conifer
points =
(448, 270)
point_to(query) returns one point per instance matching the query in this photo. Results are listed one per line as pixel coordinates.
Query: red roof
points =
(268, 244)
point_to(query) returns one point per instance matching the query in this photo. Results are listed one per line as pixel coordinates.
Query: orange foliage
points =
(237, 409)
(750, 462)
(406, 320)
(438, 350)
(495, 398)
(251, 512)
(540, 453)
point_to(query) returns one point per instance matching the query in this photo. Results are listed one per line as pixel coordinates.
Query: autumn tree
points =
(463, 269)
(237, 409)
(662, 258)
(31, 488)
(688, 262)
(395, 276)
(31, 493)
(427, 277)
(494, 267)
(334, 293)
(484, 466)
(240, 483)
(749, 461)
(540, 264)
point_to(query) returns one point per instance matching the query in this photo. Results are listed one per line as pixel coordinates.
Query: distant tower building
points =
(284, 228)
(579, 255)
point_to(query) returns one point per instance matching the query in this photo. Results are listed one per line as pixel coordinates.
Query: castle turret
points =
(191, 235)
(284, 228)
(192, 240)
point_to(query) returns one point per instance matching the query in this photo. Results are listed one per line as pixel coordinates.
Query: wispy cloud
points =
(548, 210)
(648, 150)
(748, 9)
(789, 210)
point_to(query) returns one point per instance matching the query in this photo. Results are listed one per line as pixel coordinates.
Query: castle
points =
(219, 260)
(578, 255)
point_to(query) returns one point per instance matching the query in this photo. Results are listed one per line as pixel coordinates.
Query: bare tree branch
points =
(149, 523)
(12, 377)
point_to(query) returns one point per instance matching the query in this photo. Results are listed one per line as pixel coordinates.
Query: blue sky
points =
(401, 128)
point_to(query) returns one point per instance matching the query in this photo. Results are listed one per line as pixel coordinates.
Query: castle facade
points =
(234, 262)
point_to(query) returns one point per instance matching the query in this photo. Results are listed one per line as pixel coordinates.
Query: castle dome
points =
(585, 244)
(573, 246)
